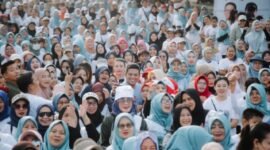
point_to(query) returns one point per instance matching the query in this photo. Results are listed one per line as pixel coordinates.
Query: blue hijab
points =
(262, 106)
(79, 42)
(216, 116)
(42, 129)
(251, 71)
(21, 124)
(55, 20)
(222, 32)
(260, 73)
(5, 113)
(191, 67)
(56, 99)
(116, 110)
(14, 119)
(117, 141)
(156, 113)
(47, 145)
(189, 138)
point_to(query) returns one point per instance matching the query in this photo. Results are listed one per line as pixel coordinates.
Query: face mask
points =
(48, 62)
(36, 47)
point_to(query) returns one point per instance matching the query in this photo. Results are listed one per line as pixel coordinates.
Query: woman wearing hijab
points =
(201, 85)
(222, 36)
(218, 125)
(189, 138)
(45, 116)
(59, 101)
(191, 99)
(264, 77)
(4, 108)
(33, 64)
(33, 137)
(256, 63)
(123, 44)
(26, 123)
(256, 98)
(57, 136)
(124, 127)
(256, 38)
(160, 119)
(43, 76)
(192, 28)
(191, 60)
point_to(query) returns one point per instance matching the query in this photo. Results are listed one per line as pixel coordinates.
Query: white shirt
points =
(225, 63)
(213, 64)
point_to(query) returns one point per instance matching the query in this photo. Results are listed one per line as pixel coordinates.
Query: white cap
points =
(101, 62)
(242, 17)
(18, 97)
(15, 57)
(90, 95)
(45, 18)
(124, 91)
(179, 40)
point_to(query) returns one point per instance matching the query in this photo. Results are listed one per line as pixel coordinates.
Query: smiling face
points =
(78, 85)
(166, 104)
(211, 79)
(218, 131)
(125, 104)
(92, 106)
(255, 97)
(176, 66)
(132, 76)
(231, 53)
(126, 128)
(221, 88)
(104, 77)
(202, 84)
(185, 117)
(20, 108)
(35, 64)
(45, 79)
(57, 135)
(62, 102)
(265, 77)
(45, 116)
(189, 101)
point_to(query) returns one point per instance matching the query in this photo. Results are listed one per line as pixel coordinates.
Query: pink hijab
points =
(46, 92)
(120, 41)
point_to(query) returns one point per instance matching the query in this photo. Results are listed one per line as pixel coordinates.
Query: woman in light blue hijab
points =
(55, 20)
(264, 75)
(57, 128)
(26, 122)
(256, 63)
(254, 91)
(190, 60)
(189, 138)
(256, 38)
(124, 127)
(219, 126)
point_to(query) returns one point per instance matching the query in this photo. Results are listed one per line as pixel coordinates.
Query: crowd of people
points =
(133, 75)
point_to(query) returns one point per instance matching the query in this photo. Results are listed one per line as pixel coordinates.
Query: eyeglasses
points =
(166, 101)
(42, 114)
(122, 126)
(24, 106)
(125, 100)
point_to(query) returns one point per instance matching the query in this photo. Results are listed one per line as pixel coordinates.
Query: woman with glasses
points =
(45, 116)
(201, 86)
(124, 127)
(57, 136)
(26, 123)
(160, 119)
(124, 102)
(20, 107)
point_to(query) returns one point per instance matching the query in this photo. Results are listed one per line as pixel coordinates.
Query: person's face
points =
(255, 97)
(223, 25)
(100, 49)
(181, 45)
(191, 58)
(20, 108)
(185, 118)
(183, 68)
(265, 77)
(25, 47)
(45, 79)
(206, 20)
(9, 51)
(201, 85)
(57, 135)
(45, 116)
(2, 105)
(125, 104)
(82, 73)
(163, 57)
(148, 144)
(211, 80)
(228, 10)
(12, 72)
(132, 76)
(221, 88)
(111, 60)
(257, 65)
(241, 45)
(243, 70)
(65, 67)
(172, 48)
(104, 77)
(78, 85)
(35, 64)
(126, 128)
(242, 23)
(153, 52)
(160, 88)
(119, 67)
(128, 57)
(144, 57)
(187, 100)
(218, 131)
(208, 55)
(92, 106)
(176, 66)
(264, 144)
(58, 50)
(166, 104)
(254, 121)
(266, 57)
(258, 26)
(230, 53)
(214, 22)
(153, 37)
(62, 102)
(29, 125)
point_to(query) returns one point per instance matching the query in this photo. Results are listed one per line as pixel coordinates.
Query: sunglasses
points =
(122, 126)
(24, 106)
(42, 114)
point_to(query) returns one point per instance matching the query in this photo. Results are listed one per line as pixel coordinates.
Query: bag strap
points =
(214, 105)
